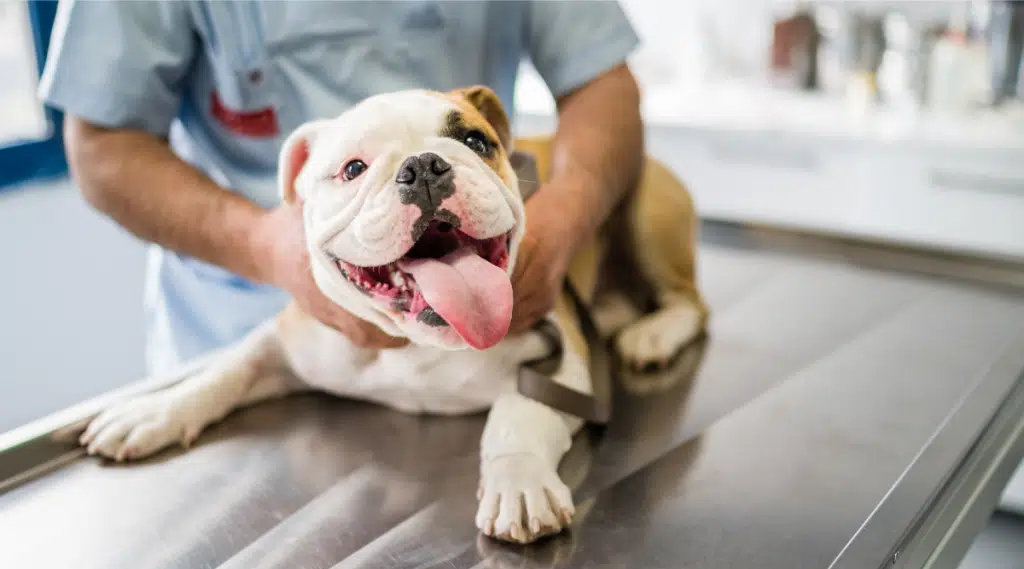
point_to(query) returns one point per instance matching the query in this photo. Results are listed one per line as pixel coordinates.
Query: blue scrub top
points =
(227, 81)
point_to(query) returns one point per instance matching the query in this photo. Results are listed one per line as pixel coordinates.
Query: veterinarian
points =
(176, 111)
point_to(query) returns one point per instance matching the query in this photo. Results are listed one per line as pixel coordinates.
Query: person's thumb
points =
(362, 333)
(386, 341)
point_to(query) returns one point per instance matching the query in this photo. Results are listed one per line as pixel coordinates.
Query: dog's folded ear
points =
(486, 101)
(293, 156)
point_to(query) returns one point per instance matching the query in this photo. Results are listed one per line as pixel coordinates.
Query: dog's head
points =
(412, 213)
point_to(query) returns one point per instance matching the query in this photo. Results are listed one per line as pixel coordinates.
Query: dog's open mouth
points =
(446, 278)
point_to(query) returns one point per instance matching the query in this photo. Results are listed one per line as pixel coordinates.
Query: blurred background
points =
(897, 121)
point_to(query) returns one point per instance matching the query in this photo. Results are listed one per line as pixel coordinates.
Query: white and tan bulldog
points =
(413, 218)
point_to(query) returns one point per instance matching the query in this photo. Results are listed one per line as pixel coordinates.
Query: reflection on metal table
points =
(853, 406)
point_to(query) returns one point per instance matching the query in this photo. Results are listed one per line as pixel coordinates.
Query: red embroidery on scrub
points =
(255, 124)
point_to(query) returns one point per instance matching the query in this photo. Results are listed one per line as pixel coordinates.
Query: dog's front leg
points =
(251, 371)
(521, 496)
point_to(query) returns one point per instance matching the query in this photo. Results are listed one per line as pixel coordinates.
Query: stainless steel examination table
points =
(854, 406)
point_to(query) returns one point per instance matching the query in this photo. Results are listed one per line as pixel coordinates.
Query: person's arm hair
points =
(133, 177)
(598, 148)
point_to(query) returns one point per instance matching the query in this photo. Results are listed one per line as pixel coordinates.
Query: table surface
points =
(810, 429)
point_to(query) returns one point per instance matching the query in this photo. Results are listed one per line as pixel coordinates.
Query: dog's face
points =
(412, 213)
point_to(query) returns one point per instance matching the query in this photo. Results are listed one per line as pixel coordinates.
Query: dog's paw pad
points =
(649, 344)
(522, 499)
(137, 428)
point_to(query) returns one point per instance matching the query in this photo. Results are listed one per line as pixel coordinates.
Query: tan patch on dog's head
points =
(479, 110)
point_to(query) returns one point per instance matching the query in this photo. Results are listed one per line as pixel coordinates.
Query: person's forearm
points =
(136, 180)
(598, 148)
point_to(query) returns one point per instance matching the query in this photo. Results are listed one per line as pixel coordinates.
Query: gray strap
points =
(535, 376)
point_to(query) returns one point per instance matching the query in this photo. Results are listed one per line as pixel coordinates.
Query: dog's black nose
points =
(437, 164)
(427, 167)
(406, 173)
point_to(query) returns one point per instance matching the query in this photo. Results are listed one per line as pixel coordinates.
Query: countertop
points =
(834, 401)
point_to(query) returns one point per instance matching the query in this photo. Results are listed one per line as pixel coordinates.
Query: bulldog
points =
(413, 217)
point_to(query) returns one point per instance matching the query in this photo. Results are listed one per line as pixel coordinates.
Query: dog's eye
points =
(476, 141)
(352, 170)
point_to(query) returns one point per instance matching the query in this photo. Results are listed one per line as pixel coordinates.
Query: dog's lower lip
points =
(431, 318)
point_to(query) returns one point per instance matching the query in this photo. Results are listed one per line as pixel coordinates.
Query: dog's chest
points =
(413, 379)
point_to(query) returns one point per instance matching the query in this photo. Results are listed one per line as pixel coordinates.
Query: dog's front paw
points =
(141, 426)
(522, 499)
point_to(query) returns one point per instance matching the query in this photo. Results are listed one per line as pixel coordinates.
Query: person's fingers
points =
(362, 333)
(518, 273)
(334, 316)
(374, 337)
(528, 314)
(526, 298)
(523, 257)
(522, 325)
(517, 327)
(383, 340)
(536, 302)
(523, 285)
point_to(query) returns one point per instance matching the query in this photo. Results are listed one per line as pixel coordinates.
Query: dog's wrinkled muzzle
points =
(435, 264)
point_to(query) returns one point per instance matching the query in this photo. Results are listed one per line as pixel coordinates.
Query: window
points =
(30, 134)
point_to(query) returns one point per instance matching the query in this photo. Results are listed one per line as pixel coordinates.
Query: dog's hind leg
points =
(253, 370)
(663, 231)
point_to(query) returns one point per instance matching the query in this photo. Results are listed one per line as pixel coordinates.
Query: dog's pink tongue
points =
(471, 294)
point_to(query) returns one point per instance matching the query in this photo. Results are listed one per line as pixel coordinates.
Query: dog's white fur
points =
(364, 222)
(521, 496)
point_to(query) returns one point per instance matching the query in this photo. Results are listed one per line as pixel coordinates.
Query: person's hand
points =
(281, 237)
(542, 261)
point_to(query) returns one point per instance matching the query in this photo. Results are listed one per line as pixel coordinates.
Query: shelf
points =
(802, 161)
